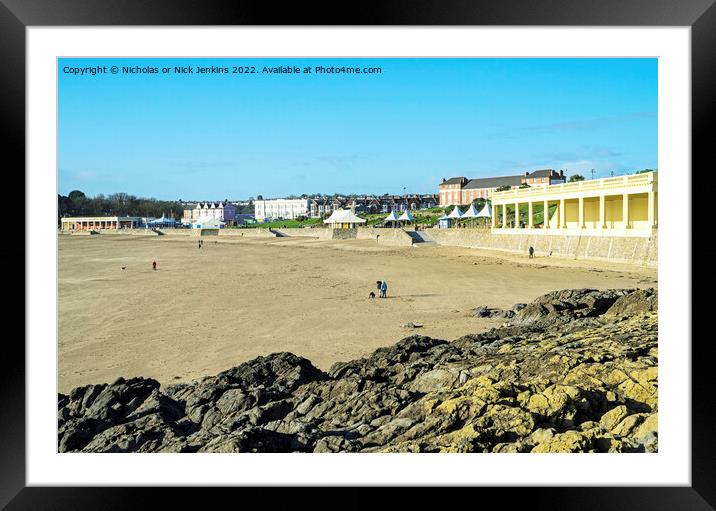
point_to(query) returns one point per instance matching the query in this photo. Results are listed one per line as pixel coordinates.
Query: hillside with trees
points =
(76, 203)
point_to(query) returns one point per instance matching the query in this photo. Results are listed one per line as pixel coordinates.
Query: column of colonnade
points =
(530, 223)
(594, 212)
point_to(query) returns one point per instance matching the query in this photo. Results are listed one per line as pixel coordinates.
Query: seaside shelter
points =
(406, 217)
(455, 214)
(615, 206)
(392, 218)
(96, 223)
(471, 213)
(343, 219)
(485, 212)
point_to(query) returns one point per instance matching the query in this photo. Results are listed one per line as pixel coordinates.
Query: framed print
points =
(419, 246)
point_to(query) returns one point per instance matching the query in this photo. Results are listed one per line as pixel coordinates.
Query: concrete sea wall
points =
(316, 232)
(389, 237)
(247, 233)
(632, 250)
(170, 231)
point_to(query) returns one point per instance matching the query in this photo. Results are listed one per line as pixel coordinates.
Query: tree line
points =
(76, 203)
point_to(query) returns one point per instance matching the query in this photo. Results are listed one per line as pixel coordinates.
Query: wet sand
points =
(205, 310)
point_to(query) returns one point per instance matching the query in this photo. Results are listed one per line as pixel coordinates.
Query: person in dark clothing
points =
(154, 265)
(532, 252)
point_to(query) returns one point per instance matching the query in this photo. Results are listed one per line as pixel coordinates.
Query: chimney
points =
(527, 174)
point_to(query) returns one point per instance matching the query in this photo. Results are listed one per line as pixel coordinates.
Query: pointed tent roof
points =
(486, 212)
(471, 212)
(456, 213)
(162, 220)
(406, 217)
(392, 217)
(343, 216)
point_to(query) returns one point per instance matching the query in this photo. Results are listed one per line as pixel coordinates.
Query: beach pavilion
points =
(406, 217)
(455, 214)
(392, 218)
(485, 212)
(343, 219)
(471, 212)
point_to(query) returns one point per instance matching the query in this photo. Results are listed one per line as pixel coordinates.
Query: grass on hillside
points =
(277, 224)
(423, 217)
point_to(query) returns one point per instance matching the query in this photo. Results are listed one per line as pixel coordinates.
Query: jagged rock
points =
(569, 441)
(567, 305)
(641, 300)
(487, 312)
(613, 417)
(577, 371)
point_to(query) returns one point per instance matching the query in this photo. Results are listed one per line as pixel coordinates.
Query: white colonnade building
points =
(615, 206)
(86, 223)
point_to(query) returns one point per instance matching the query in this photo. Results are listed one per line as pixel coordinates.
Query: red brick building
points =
(463, 191)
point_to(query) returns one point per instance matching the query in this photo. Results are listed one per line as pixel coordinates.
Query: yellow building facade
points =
(615, 206)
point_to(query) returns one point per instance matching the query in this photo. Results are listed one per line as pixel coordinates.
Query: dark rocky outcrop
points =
(572, 371)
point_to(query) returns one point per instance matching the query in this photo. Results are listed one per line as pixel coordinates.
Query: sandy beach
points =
(207, 309)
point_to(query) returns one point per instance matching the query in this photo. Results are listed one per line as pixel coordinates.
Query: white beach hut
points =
(444, 222)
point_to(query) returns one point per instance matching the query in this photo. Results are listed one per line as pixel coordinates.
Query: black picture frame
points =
(700, 15)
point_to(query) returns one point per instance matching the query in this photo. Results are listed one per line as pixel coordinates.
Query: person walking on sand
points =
(383, 288)
(154, 265)
(532, 252)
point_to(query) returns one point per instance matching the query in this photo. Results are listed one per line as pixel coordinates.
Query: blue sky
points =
(217, 136)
